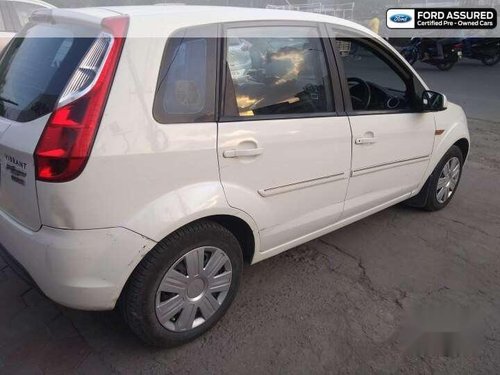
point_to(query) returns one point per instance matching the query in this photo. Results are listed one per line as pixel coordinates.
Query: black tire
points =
(445, 66)
(138, 300)
(491, 61)
(431, 201)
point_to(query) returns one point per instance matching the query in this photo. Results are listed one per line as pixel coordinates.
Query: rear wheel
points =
(184, 286)
(490, 61)
(445, 66)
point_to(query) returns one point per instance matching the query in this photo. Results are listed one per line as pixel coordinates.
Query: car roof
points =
(199, 15)
(162, 20)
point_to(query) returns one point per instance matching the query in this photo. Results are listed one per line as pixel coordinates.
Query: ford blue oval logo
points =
(401, 18)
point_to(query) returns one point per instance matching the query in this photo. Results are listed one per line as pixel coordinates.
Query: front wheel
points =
(444, 181)
(184, 286)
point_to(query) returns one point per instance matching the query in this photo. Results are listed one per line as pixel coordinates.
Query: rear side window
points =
(186, 85)
(37, 67)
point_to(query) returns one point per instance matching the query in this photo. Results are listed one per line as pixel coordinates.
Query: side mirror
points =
(434, 101)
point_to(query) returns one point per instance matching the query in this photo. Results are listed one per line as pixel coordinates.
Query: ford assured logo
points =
(401, 18)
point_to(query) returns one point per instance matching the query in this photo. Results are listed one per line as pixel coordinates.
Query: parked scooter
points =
(421, 49)
(487, 50)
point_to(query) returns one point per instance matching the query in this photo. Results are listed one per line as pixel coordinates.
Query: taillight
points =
(66, 142)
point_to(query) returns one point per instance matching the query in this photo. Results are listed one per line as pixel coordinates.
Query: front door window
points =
(374, 85)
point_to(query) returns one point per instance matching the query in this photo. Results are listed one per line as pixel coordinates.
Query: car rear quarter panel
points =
(143, 176)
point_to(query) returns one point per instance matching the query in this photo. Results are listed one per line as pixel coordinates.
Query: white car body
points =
(81, 240)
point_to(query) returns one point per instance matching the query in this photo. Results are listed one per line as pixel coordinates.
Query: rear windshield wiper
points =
(8, 101)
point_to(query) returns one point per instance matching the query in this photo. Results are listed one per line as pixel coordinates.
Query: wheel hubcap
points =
(448, 180)
(193, 289)
(196, 289)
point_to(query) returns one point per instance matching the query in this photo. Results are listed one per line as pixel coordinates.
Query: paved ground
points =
(340, 304)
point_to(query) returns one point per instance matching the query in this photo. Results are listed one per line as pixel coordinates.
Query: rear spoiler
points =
(90, 18)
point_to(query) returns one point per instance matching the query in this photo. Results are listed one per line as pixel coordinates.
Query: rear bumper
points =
(85, 270)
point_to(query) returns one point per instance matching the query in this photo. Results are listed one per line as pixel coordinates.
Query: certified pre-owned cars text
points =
(456, 18)
(442, 18)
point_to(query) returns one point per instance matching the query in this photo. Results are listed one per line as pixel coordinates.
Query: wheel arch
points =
(454, 132)
(453, 124)
(240, 228)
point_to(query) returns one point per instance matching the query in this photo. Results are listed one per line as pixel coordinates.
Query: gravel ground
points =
(345, 303)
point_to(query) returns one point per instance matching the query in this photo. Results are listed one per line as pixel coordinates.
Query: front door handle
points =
(231, 154)
(365, 141)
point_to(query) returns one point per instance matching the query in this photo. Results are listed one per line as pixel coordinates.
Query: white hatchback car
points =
(138, 169)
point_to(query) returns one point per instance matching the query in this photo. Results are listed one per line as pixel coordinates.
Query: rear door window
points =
(36, 68)
(276, 71)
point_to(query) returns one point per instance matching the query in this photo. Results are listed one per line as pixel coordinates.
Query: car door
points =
(392, 138)
(284, 152)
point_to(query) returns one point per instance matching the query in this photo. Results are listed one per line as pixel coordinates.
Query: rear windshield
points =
(36, 68)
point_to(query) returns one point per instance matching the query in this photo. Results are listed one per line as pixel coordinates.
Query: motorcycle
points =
(487, 50)
(419, 48)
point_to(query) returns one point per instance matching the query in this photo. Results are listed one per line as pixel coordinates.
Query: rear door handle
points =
(231, 154)
(365, 141)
